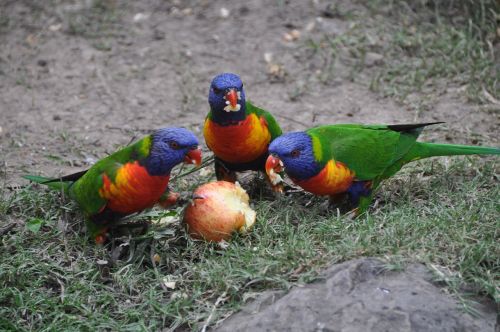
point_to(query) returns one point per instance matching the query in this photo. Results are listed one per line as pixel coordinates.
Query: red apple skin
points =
(215, 212)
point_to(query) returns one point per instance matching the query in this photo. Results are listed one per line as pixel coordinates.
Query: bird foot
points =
(353, 214)
(169, 200)
(102, 237)
(278, 189)
(222, 173)
(227, 176)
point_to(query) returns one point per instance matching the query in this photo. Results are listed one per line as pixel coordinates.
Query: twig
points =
(219, 300)
(6, 229)
(292, 120)
(62, 289)
(204, 164)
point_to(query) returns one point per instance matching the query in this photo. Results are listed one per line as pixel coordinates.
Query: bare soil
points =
(80, 78)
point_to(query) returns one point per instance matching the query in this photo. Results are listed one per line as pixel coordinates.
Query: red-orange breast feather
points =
(334, 178)
(239, 143)
(133, 189)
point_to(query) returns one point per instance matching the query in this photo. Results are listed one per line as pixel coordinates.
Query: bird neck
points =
(304, 171)
(223, 118)
(157, 164)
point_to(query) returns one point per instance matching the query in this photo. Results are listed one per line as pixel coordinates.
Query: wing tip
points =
(412, 126)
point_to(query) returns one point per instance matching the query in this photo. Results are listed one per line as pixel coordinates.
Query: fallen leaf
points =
(167, 282)
(156, 258)
(102, 262)
(34, 224)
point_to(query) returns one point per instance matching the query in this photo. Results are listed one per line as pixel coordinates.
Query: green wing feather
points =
(367, 150)
(85, 188)
(272, 124)
(55, 184)
(376, 152)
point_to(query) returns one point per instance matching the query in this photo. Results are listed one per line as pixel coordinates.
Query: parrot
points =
(128, 181)
(237, 132)
(352, 159)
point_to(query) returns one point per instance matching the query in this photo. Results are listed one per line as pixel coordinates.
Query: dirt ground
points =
(80, 78)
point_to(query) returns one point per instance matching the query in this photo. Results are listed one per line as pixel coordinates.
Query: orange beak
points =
(193, 157)
(232, 97)
(273, 167)
(273, 163)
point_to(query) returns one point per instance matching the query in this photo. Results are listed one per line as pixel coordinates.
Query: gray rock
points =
(361, 295)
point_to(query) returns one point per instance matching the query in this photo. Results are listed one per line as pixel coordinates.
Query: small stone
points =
(224, 12)
(156, 258)
(140, 17)
(268, 57)
(292, 35)
(276, 72)
(244, 10)
(55, 27)
(158, 34)
(90, 161)
(373, 59)
(187, 11)
(31, 40)
(310, 26)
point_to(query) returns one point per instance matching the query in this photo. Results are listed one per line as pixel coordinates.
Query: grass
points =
(426, 48)
(54, 277)
(443, 213)
(441, 45)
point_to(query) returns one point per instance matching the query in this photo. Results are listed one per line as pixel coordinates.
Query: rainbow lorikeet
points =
(129, 180)
(236, 131)
(353, 159)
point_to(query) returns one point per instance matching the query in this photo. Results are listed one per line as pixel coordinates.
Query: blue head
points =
(295, 151)
(169, 147)
(227, 98)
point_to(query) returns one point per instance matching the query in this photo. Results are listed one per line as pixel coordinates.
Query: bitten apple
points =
(218, 209)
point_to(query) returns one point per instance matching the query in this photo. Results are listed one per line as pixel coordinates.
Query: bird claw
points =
(102, 237)
(170, 200)
(278, 188)
(353, 214)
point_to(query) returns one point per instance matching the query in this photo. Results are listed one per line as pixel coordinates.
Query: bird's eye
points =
(295, 153)
(216, 91)
(174, 145)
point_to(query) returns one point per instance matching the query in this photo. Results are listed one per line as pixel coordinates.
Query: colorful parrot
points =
(129, 180)
(353, 159)
(236, 131)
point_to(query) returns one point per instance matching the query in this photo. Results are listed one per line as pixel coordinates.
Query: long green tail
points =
(56, 184)
(426, 150)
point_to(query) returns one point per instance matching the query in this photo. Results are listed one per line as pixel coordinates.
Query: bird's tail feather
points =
(50, 182)
(426, 150)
